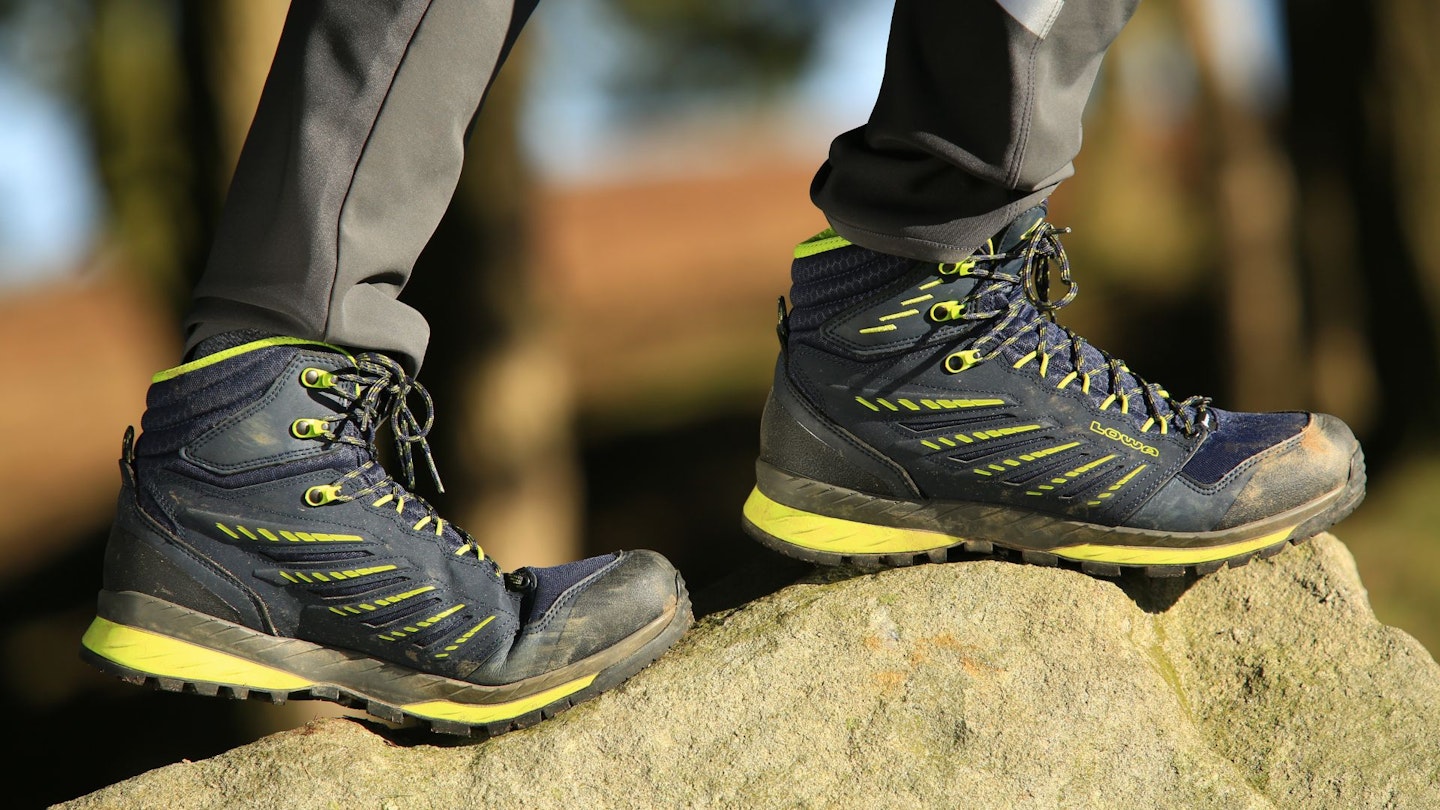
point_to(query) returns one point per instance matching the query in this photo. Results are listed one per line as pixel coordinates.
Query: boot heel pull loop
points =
(127, 457)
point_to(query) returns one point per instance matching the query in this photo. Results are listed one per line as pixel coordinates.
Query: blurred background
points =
(1256, 217)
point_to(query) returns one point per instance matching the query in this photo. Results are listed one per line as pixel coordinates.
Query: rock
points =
(979, 684)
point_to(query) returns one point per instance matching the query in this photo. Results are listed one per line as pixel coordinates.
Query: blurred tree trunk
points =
(152, 115)
(1364, 124)
(1251, 188)
(242, 35)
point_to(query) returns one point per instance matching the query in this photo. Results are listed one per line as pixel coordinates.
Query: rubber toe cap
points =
(1296, 472)
(637, 593)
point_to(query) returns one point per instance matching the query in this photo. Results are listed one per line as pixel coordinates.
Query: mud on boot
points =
(261, 550)
(924, 411)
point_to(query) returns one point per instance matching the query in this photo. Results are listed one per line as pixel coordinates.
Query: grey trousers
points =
(357, 143)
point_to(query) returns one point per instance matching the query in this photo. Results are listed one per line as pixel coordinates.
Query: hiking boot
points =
(927, 412)
(260, 550)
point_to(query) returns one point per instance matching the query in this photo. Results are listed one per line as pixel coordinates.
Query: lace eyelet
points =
(308, 428)
(943, 311)
(957, 268)
(322, 494)
(317, 378)
(961, 360)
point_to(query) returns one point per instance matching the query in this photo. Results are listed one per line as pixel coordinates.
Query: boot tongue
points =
(1013, 234)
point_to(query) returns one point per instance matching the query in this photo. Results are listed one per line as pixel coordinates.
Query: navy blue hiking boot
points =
(927, 412)
(260, 550)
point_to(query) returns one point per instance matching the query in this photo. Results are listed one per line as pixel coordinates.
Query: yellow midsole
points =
(839, 536)
(835, 535)
(164, 657)
(1150, 555)
(489, 713)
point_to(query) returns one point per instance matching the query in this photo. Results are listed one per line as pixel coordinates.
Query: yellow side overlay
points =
(1151, 555)
(838, 536)
(834, 535)
(489, 713)
(165, 657)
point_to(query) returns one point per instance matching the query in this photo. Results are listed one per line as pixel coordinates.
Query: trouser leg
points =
(352, 158)
(978, 119)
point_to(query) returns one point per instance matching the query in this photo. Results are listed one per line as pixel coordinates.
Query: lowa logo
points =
(1128, 441)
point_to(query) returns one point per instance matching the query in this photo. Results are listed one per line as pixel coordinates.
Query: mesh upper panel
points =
(1237, 437)
(553, 581)
(826, 283)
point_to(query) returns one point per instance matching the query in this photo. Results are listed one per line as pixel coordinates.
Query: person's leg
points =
(259, 547)
(352, 158)
(925, 401)
(978, 119)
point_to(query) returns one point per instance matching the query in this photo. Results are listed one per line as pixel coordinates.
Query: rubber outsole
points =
(916, 541)
(426, 710)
